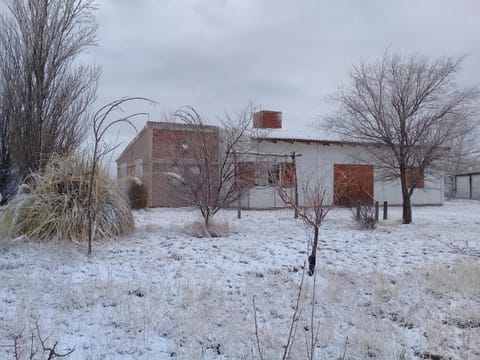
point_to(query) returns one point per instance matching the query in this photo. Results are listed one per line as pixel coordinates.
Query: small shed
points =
(467, 186)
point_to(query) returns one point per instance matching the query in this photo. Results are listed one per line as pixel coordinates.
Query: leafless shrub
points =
(209, 178)
(366, 217)
(33, 345)
(313, 211)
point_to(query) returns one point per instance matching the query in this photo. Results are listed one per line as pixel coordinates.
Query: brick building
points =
(150, 156)
(268, 164)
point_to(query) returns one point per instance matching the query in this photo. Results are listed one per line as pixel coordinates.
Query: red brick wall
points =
(158, 144)
(265, 119)
(165, 191)
(167, 144)
(166, 147)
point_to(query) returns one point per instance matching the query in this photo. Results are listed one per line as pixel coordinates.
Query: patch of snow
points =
(400, 290)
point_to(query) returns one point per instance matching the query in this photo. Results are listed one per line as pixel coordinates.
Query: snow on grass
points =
(397, 291)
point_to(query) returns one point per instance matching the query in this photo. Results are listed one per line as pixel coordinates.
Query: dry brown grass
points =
(54, 205)
(137, 194)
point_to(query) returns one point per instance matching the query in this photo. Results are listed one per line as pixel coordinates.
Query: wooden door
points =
(353, 184)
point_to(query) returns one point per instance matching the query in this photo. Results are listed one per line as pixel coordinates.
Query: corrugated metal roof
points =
(311, 135)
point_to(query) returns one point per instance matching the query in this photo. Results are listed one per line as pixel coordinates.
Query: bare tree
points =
(410, 107)
(48, 93)
(7, 172)
(312, 210)
(210, 180)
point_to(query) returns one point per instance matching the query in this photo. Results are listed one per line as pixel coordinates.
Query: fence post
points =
(358, 210)
(294, 162)
(376, 211)
(385, 207)
(237, 184)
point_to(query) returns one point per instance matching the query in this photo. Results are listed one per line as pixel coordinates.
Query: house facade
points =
(276, 157)
(150, 156)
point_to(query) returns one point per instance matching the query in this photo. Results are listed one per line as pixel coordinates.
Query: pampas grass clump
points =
(53, 204)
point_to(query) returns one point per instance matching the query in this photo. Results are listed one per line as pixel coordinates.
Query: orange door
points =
(353, 184)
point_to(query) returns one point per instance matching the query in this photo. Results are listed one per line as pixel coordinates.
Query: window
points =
(274, 174)
(415, 177)
(262, 170)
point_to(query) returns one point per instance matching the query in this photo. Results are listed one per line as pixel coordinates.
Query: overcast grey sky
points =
(217, 55)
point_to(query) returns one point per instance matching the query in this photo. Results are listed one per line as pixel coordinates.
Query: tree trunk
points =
(406, 196)
(312, 259)
(407, 209)
(207, 220)
(406, 204)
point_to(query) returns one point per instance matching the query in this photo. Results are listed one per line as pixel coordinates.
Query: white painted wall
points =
(463, 186)
(316, 164)
(431, 194)
(476, 187)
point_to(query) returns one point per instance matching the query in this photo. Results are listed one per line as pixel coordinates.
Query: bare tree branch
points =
(295, 318)
(101, 125)
(257, 336)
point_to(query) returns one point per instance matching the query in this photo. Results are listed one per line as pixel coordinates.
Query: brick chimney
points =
(266, 119)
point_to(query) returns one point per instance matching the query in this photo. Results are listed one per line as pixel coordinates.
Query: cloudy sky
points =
(219, 55)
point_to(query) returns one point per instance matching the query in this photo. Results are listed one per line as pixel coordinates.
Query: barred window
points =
(274, 174)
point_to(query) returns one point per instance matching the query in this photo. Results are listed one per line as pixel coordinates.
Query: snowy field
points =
(397, 292)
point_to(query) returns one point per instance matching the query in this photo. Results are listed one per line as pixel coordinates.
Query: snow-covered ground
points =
(397, 292)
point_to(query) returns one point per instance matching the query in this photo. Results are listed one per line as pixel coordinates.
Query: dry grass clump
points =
(53, 204)
(137, 194)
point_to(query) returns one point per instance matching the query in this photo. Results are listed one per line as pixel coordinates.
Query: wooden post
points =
(470, 188)
(376, 211)
(385, 208)
(296, 185)
(359, 208)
